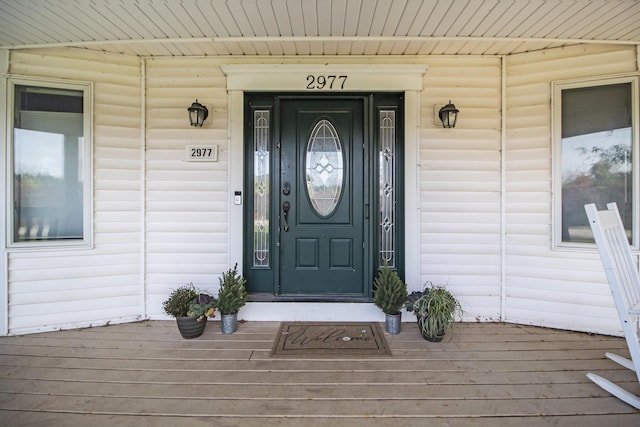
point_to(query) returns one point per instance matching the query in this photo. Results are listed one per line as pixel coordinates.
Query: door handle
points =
(286, 207)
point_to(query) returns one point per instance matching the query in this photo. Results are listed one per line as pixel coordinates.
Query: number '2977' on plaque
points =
(201, 153)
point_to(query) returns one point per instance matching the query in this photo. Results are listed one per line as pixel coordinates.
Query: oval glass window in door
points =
(324, 168)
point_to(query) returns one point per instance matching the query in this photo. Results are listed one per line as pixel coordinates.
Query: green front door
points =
(322, 197)
(323, 186)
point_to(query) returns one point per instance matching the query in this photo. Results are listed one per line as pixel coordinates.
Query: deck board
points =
(146, 374)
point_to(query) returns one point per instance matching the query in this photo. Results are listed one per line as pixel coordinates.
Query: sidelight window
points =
(261, 196)
(387, 188)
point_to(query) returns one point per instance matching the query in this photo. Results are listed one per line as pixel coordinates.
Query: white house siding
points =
(167, 223)
(186, 202)
(558, 288)
(51, 289)
(460, 183)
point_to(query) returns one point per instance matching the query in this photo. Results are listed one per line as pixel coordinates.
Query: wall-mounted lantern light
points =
(198, 113)
(448, 115)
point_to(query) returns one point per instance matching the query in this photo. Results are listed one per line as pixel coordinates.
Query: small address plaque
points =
(201, 153)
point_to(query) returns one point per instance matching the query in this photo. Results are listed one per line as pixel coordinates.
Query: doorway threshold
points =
(267, 297)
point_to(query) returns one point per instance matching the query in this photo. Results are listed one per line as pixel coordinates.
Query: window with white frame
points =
(595, 154)
(49, 160)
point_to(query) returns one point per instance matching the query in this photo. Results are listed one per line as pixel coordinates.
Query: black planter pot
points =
(191, 327)
(431, 338)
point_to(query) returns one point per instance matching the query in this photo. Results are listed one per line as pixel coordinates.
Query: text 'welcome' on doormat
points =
(330, 339)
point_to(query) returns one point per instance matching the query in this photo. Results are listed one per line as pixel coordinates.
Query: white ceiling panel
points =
(248, 25)
(316, 27)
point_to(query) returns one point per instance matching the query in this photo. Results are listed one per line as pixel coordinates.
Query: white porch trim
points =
(4, 279)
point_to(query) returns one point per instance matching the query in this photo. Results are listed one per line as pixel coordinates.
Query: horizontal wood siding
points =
(558, 288)
(460, 183)
(51, 289)
(186, 202)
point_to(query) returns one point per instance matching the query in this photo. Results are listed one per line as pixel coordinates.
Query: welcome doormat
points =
(330, 339)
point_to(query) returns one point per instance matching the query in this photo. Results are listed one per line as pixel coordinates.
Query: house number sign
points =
(201, 153)
(327, 82)
(324, 77)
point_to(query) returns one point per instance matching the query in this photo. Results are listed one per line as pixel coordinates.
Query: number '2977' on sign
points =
(201, 153)
(329, 82)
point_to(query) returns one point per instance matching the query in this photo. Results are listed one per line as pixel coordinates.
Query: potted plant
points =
(390, 293)
(436, 310)
(232, 295)
(190, 308)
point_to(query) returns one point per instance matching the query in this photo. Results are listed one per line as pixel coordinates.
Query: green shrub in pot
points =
(389, 294)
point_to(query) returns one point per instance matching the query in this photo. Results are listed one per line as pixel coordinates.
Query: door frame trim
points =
(405, 78)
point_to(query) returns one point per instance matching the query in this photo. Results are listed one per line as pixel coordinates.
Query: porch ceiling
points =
(316, 27)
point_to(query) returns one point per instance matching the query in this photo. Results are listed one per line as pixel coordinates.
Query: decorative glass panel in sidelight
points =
(324, 168)
(387, 186)
(261, 143)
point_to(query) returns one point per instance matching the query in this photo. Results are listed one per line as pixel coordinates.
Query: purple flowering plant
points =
(202, 306)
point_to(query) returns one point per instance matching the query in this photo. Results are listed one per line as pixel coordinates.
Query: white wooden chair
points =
(624, 282)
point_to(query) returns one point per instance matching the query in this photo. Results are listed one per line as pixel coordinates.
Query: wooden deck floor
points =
(144, 374)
